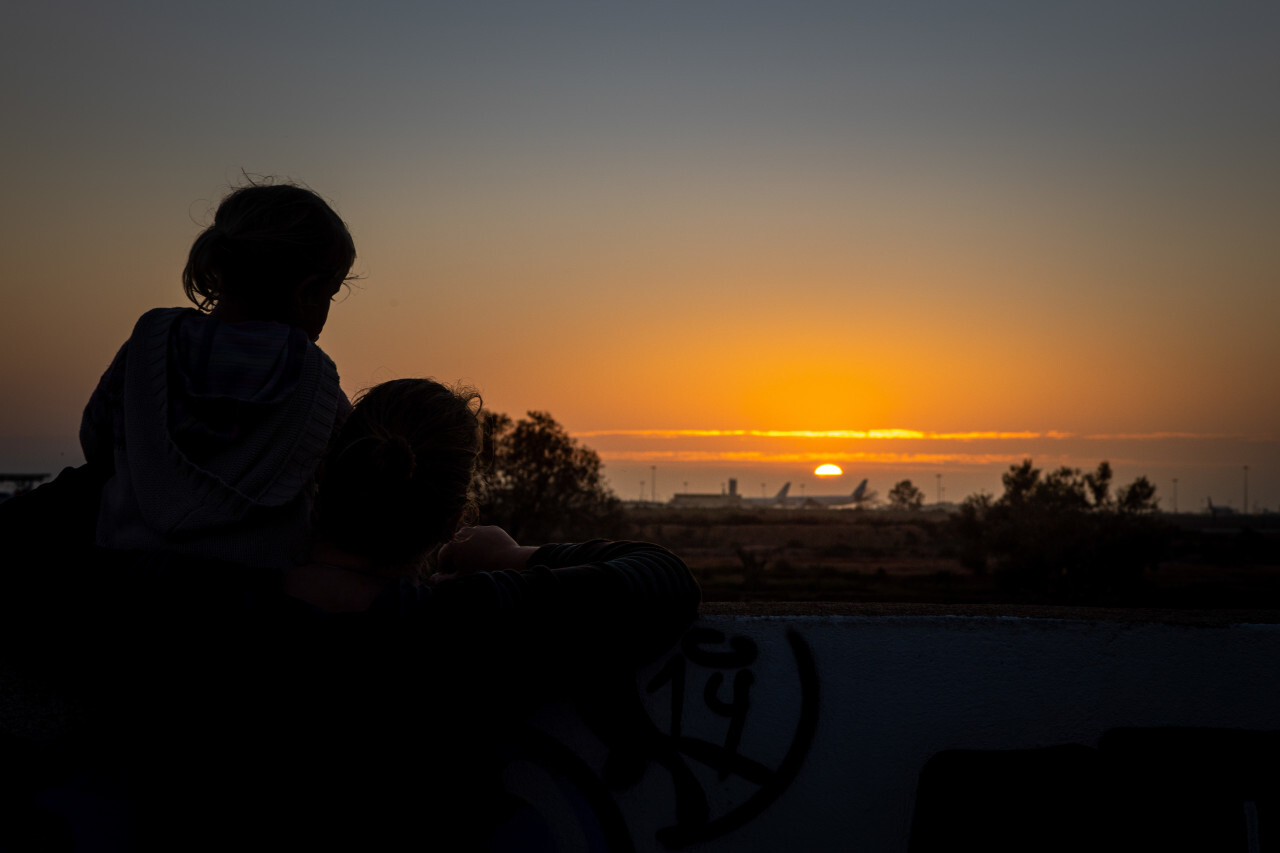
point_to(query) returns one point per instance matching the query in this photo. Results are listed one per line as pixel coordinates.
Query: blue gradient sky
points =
(945, 217)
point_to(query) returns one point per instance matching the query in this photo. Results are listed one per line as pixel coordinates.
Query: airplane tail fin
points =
(860, 492)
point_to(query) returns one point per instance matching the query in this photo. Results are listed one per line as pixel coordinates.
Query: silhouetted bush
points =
(1063, 536)
(905, 496)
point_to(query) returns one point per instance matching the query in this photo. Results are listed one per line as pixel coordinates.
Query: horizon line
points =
(760, 457)
(912, 435)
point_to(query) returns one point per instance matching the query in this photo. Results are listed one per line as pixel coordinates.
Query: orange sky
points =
(729, 217)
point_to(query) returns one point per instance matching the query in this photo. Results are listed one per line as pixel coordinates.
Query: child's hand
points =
(480, 549)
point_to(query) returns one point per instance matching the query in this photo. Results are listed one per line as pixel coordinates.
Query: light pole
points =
(1246, 490)
(653, 481)
(939, 476)
(1175, 495)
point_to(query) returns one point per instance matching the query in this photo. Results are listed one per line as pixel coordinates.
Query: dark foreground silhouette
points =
(204, 709)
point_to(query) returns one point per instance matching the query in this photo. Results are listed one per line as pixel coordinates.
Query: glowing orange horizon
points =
(792, 447)
(711, 456)
(904, 434)
(857, 434)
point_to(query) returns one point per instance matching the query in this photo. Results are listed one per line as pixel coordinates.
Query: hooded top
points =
(214, 432)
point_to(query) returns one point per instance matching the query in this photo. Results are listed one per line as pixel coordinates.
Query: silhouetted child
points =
(209, 425)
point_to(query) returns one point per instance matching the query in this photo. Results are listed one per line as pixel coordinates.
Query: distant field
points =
(913, 557)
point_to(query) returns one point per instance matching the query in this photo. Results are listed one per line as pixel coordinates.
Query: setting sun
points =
(828, 471)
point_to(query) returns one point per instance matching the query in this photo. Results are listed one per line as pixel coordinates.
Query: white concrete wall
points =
(841, 712)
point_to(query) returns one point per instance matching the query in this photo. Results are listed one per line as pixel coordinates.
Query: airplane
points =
(859, 498)
(780, 499)
(1219, 510)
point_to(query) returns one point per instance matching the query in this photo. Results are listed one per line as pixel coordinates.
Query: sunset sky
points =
(692, 231)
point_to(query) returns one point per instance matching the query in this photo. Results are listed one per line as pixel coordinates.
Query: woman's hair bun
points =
(394, 459)
(398, 480)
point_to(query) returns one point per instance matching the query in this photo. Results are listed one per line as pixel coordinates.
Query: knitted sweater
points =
(213, 433)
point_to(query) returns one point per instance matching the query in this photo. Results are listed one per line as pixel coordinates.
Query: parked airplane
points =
(780, 499)
(861, 497)
(1220, 510)
(858, 498)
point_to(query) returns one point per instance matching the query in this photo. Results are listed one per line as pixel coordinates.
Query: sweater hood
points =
(222, 420)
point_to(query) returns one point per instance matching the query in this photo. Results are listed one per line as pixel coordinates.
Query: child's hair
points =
(265, 240)
(397, 480)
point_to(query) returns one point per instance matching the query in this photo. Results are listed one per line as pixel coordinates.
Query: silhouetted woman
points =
(342, 702)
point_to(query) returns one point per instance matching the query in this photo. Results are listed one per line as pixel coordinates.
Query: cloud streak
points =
(899, 434)
(906, 447)
(760, 456)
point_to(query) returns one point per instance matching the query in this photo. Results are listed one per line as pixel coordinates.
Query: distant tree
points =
(1063, 490)
(540, 484)
(1099, 483)
(970, 527)
(1138, 496)
(1020, 482)
(905, 496)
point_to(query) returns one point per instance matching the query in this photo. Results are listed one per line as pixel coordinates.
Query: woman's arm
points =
(638, 595)
(590, 601)
(481, 549)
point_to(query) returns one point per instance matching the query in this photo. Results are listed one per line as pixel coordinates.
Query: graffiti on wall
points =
(704, 699)
(704, 656)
